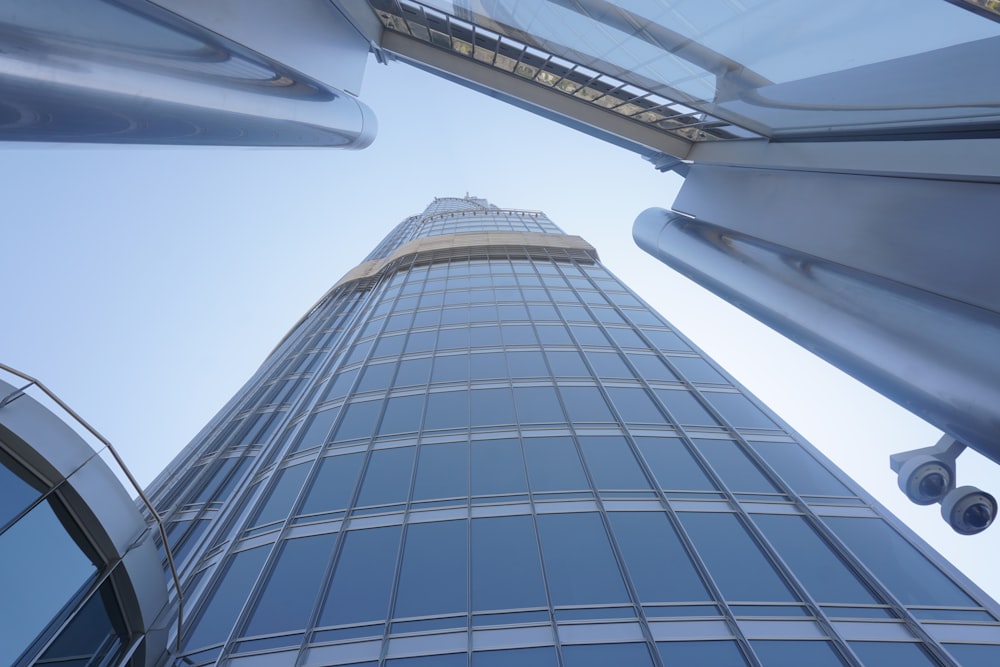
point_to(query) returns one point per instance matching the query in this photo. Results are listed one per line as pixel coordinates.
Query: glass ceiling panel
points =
(784, 68)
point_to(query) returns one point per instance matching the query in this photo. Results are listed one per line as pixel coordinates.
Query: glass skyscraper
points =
(480, 448)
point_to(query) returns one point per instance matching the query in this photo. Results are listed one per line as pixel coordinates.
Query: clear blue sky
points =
(145, 285)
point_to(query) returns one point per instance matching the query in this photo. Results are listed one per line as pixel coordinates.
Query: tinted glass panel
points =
(684, 407)
(522, 657)
(447, 410)
(226, 601)
(526, 363)
(402, 414)
(488, 365)
(824, 574)
(586, 404)
(733, 466)
(553, 465)
(434, 572)
(652, 368)
(696, 370)
(317, 429)
(612, 464)
(506, 573)
(657, 562)
(567, 363)
(492, 406)
(602, 655)
(579, 562)
(442, 471)
(635, 405)
(703, 654)
(537, 404)
(497, 467)
(282, 494)
(413, 372)
(449, 660)
(739, 411)
(968, 655)
(363, 578)
(673, 465)
(334, 484)
(359, 420)
(799, 653)
(290, 592)
(387, 479)
(901, 568)
(451, 368)
(799, 469)
(733, 559)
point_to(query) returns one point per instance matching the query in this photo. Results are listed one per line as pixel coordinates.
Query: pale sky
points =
(145, 285)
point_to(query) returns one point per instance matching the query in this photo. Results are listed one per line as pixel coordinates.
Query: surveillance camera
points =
(926, 479)
(969, 510)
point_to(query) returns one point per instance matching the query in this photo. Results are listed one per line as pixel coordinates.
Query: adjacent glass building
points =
(480, 448)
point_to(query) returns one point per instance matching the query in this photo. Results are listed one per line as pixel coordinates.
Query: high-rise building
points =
(480, 448)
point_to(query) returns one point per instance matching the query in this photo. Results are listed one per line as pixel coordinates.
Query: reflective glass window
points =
(673, 465)
(575, 313)
(790, 653)
(448, 660)
(226, 601)
(453, 339)
(553, 465)
(91, 637)
(657, 562)
(734, 467)
(734, 560)
(627, 338)
(341, 384)
(825, 576)
(665, 340)
(602, 655)
(488, 365)
(968, 655)
(317, 429)
(537, 404)
(484, 336)
(484, 313)
(695, 369)
(333, 486)
(389, 346)
(419, 341)
(442, 471)
(282, 494)
(799, 469)
(542, 312)
(611, 463)
(459, 315)
(739, 411)
(635, 405)
(553, 334)
(567, 363)
(512, 311)
(526, 363)
(402, 414)
(363, 578)
(586, 404)
(544, 656)
(608, 365)
(376, 376)
(702, 654)
(290, 592)
(448, 409)
(426, 318)
(652, 368)
(41, 569)
(492, 406)
(387, 479)
(358, 421)
(899, 566)
(451, 368)
(400, 322)
(413, 372)
(518, 334)
(506, 572)
(590, 336)
(579, 563)
(497, 467)
(433, 577)
(684, 407)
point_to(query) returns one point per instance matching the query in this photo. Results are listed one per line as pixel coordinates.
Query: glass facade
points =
(489, 451)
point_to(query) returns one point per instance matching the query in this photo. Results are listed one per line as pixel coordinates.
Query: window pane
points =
(603, 655)
(359, 420)
(387, 479)
(413, 372)
(290, 592)
(226, 601)
(612, 464)
(506, 573)
(488, 365)
(553, 465)
(899, 566)
(823, 573)
(318, 429)
(497, 467)
(434, 571)
(798, 653)
(696, 369)
(673, 465)
(402, 414)
(968, 655)
(660, 568)
(684, 407)
(733, 466)
(739, 411)
(799, 469)
(376, 376)
(733, 559)
(544, 656)
(334, 484)
(363, 578)
(609, 365)
(652, 368)
(447, 410)
(590, 336)
(449, 660)
(282, 494)
(567, 363)
(702, 654)
(442, 471)
(553, 334)
(537, 405)
(635, 405)
(518, 334)
(492, 406)
(452, 368)
(586, 404)
(579, 562)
